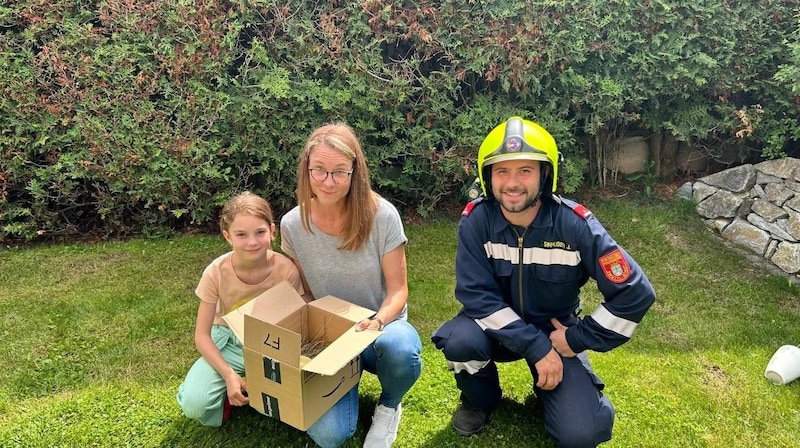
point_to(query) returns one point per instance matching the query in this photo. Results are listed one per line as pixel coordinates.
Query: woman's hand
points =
(373, 323)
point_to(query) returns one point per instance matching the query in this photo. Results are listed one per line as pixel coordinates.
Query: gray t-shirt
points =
(355, 276)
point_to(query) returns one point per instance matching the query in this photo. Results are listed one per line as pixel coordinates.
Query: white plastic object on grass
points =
(784, 367)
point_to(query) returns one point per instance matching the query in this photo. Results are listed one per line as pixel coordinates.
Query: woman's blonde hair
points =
(244, 203)
(361, 202)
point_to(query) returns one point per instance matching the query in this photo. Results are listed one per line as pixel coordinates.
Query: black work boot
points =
(468, 421)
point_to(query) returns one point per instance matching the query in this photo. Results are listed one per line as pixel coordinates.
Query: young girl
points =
(214, 382)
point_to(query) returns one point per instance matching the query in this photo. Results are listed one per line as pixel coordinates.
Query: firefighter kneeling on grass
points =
(523, 255)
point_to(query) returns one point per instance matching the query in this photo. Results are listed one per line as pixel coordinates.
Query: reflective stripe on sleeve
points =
(614, 323)
(498, 319)
(471, 367)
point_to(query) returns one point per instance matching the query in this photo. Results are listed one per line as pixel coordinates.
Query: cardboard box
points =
(281, 382)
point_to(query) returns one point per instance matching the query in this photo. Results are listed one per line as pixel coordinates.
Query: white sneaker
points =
(383, 431)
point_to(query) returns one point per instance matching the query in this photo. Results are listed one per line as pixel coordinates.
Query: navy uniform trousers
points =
(576, 413)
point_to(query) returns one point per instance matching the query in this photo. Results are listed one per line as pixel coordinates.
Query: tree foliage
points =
(132, 116)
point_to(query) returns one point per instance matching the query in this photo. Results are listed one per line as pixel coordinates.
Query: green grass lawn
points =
(97, 337)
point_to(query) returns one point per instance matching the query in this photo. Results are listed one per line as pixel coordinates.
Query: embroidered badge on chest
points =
(615, 267)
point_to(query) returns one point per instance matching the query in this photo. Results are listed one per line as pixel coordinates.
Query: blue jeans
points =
(395, 358)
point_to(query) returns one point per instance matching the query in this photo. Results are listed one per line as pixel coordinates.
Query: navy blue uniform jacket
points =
(512, 280)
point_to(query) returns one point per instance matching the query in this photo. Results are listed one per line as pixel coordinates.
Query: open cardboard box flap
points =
(346, 347)
(281, 314)
(271, 306)
(342, 308)
(277, 303)
(279, 326)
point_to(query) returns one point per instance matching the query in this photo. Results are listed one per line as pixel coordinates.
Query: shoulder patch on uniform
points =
(615, 267)
(470, 206)
(581, 211)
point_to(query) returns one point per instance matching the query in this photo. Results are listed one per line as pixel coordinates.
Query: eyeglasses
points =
(320, 175)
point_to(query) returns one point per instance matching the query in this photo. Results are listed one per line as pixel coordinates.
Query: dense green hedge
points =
(130, 116)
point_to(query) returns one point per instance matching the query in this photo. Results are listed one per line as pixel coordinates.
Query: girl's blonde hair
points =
(244, 203)
(361, 202)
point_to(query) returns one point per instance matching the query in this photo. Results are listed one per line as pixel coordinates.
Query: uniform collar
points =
(544, 218)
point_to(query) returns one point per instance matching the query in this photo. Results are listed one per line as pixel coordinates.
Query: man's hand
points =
(559, 339)
(550, 370)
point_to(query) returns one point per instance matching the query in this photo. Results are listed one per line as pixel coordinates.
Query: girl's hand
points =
(237, 390)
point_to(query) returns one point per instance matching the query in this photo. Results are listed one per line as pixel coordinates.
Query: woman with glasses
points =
(349, 242)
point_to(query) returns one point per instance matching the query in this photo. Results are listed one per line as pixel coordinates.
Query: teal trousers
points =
(203, 391)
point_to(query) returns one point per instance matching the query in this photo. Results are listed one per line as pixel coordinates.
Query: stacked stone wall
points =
(756, 207)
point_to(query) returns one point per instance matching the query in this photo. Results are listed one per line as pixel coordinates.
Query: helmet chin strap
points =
(535, 200)
(542, 184)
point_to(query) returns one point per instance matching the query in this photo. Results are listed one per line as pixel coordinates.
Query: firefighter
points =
(523, 255)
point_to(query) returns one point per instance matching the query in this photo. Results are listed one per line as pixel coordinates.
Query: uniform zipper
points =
(520, 255)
